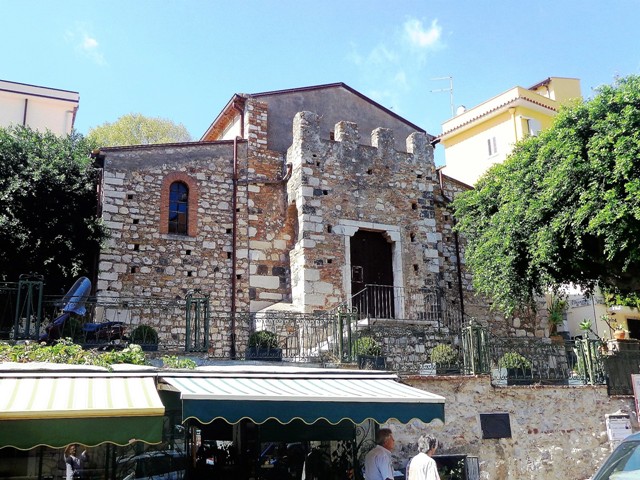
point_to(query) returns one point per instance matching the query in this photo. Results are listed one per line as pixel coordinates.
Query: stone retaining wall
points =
(557, 432)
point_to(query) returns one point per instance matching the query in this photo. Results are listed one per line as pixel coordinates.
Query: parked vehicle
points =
(623, 463)
(154, 465)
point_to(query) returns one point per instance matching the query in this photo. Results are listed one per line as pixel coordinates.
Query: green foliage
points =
(173, 361)
(443, 354)
(612, 324)
(367, 346)
(556, 312)
(614, 297)
(66, 352)
(585, 325)
(514, 360)
(263, 339)
(136, 129)
(48, 206)
(132, 354)
(563, 208)
(144, 335)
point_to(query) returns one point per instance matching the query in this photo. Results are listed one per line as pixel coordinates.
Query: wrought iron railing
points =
(190, 326)
(619, 367)
(427, 306)
(377, 301)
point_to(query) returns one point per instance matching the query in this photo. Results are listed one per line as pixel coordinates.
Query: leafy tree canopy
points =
(564, 207)
(48, 206)
(136, 129)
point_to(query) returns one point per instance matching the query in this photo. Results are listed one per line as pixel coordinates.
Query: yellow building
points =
(484, 135)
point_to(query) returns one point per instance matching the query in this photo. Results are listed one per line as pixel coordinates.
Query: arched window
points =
(179, 208)
(179, 205)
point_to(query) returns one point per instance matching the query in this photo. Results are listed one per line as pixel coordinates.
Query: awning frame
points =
(287, 394)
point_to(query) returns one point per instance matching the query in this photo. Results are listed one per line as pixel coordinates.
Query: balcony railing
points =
(189, 326)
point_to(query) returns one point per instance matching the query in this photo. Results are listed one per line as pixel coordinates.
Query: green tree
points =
(564, 207)
(48, 206)
(136, 129)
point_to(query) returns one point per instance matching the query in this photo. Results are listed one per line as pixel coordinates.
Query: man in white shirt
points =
(422, 466)
(377, 463)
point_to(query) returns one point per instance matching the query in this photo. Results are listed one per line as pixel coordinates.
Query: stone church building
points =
(294, 201)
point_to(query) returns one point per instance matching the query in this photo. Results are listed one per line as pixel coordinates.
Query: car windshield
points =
(623, 464)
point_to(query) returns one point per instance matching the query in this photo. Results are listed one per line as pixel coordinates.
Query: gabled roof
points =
(237, 101)
(346, 87)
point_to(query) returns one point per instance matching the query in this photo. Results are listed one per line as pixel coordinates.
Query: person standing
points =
(377, 463)
(422, 466)
(73, 462)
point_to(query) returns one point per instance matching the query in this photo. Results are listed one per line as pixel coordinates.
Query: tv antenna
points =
(450, 90)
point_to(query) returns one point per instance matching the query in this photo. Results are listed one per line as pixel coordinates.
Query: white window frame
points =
(492, 145)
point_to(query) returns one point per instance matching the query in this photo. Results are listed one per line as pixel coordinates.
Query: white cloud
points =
(420, 37)
(86, 45)
(89, 43)
(400, 79)
(89, 47)
(381, 54)
(392, 68)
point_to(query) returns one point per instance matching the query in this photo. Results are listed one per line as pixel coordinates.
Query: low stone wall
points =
(558, 432)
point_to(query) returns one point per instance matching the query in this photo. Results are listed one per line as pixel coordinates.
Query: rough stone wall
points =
(139, 261)
(270, 227)
(558, 433)
(340, 186)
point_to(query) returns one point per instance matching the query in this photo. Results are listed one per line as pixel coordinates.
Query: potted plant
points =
(619, 331)
(445, 358)
(145, 336)
(369, 354)
(518, 368)
(556, 311)
(263, 345)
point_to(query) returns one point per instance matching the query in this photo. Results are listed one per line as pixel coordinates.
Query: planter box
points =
(519, 376)
(452, 370)
(370, 362)
(263, 354)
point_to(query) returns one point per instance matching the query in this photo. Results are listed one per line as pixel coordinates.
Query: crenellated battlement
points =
(307, 136)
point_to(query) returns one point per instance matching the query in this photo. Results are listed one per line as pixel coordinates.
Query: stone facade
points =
(271, 230)
(557, 433)
(141, 260)
(341, 186)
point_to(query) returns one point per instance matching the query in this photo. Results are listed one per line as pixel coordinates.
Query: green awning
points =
(305, 394)
(58, 409)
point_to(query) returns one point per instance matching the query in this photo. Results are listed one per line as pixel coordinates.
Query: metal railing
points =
(190, 326)
(619, 367)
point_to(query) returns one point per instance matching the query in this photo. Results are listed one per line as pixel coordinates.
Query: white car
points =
(624, 462)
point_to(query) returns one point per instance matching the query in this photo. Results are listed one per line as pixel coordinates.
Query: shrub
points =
(263, 339)
(443, 354)
(144, 335)
(367, 346)
(514, 360)
(173, 361)
(64, 351)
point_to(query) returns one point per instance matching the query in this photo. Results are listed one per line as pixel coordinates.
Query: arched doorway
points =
(372, 274)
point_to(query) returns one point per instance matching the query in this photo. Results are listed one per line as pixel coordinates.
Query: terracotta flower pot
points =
(619, 334)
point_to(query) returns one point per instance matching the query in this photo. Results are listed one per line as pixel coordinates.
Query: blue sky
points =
(183, 60)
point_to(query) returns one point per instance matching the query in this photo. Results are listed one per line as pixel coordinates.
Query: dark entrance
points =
(372, 275)
(634, 328)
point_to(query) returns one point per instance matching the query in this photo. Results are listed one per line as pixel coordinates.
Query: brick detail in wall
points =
(194, 195)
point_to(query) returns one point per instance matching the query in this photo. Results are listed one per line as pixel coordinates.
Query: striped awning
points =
(88, 409)
(331, 395)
